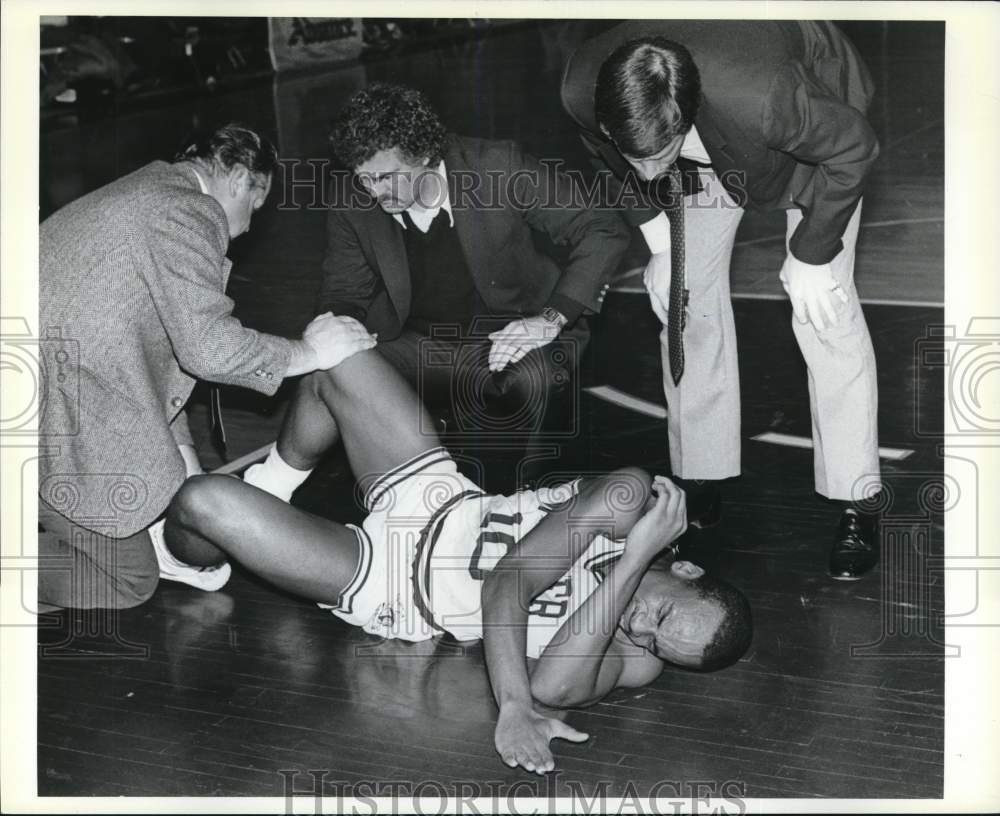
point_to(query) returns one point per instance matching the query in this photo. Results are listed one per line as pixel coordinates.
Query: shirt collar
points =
(422, 217)
(201, 181)
(693, 148)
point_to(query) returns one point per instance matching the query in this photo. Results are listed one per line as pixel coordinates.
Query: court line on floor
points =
(895, 222)
(788, 440)
(781, 237)
(864, 301)
(246, 460)
(641, 290)
(918, 131)
(609, 393)
(616, 396)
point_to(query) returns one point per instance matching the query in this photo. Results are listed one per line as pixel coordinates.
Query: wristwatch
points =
(554, 316)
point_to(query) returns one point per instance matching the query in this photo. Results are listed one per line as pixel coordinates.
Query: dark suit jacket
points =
(781, 116)
(507, 195)
(131, 290)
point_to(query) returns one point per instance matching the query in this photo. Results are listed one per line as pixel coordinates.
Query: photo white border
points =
(972, 110)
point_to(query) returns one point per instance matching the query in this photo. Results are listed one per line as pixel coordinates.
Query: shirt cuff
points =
(180, 429)
(567, 307)
(657, 234)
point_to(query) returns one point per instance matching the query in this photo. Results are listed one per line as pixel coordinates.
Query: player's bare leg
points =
(369, 405)
(295, 550)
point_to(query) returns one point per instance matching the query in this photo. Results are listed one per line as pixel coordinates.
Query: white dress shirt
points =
(201, 181)
(421, 216)
(656, 231)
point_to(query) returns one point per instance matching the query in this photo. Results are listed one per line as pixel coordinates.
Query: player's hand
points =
(811, 289)
(522, 738)
(519, 337)
(333, 339)
(657, 281)
(662, 523)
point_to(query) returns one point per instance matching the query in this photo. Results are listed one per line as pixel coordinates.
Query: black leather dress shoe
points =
(855, 551)
(704, 510)
(704, 502)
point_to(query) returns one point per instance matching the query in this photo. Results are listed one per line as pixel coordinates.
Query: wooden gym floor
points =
(841, 694)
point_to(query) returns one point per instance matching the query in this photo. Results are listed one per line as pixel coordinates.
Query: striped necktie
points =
(676, 318)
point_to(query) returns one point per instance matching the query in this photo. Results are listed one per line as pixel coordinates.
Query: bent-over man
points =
(698, 120)
(132, 279)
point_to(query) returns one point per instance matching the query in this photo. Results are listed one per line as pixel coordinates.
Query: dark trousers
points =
(530, 402)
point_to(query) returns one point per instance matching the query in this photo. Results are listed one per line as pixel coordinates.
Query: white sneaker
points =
(207, 578)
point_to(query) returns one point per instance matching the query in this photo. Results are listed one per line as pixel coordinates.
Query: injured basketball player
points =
(571, 586)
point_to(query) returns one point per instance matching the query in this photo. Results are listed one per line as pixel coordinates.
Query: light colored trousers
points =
(703, 419)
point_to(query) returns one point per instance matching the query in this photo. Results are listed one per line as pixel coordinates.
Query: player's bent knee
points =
(317, 385)
(627, 488)
(200, 502)
(626, 493)
(348, 378)
(616, 500)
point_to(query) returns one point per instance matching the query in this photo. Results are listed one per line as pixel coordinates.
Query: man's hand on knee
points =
(334, 339)
(811, 288)
(517, 338)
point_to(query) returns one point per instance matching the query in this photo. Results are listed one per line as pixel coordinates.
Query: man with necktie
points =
(697, 120)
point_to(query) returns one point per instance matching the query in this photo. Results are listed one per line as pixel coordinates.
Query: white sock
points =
(275, 475)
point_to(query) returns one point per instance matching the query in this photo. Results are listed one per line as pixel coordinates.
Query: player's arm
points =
(584, 661)
(531, 566)
(181, 260)
(535, 563)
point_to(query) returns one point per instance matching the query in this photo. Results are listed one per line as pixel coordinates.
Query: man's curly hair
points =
(385, 116)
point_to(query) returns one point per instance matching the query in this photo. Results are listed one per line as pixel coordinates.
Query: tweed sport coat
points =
(782, 116)
(133, 310)
(508, 195)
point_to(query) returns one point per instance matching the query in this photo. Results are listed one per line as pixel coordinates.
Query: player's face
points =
(393, 181)
(652, 167)
(668, 617)
(245, 197)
